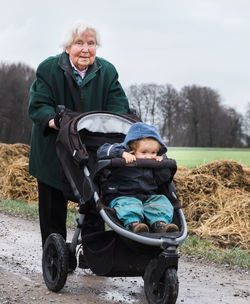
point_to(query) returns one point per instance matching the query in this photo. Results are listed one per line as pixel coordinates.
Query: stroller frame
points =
(160, 275)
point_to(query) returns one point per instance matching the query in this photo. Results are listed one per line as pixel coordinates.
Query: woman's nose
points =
(85, 47)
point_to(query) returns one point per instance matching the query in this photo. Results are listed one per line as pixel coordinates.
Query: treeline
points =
(192, 117)
(15, 81)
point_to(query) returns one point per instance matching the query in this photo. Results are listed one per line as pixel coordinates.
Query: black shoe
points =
(139, 227)
(161, 227)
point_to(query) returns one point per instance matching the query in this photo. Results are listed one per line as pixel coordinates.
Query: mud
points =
(21, 279)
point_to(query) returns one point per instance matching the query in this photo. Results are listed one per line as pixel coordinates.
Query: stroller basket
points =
(109, 254)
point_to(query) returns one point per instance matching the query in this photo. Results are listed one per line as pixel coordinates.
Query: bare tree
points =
(209, 114)
(233, 129)
(144, 98)
(15, 82)
(246, 126)
(207, 122)
(170, 113)
(192, 97)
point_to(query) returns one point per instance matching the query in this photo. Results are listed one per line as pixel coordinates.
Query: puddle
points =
(124, 290)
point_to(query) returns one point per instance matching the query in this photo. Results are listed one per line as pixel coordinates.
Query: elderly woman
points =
(80, 81)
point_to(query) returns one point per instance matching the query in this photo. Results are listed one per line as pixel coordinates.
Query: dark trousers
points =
(52, 211)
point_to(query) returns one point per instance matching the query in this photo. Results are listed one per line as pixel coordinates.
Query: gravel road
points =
(21, 279)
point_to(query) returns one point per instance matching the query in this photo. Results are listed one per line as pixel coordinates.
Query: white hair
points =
(76, 30)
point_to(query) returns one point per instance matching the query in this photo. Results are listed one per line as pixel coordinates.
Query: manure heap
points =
(216, 202)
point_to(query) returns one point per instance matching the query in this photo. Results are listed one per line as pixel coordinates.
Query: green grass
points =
(205, 249)
(19, 208)
(193, 157)
(191, 246)
(28, 211)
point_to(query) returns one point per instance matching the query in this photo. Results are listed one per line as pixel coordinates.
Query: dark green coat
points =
(55, 84)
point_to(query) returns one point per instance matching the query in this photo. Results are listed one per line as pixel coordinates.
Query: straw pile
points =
(216, 202)
(215, 197)
(15, 181)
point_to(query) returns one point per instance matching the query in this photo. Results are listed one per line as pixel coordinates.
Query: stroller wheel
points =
(166, 290)
(55, 262)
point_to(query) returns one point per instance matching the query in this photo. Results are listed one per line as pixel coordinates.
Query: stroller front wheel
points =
(166, 290)
(55, 262)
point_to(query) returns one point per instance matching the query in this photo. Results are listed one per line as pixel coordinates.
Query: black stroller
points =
(114, 252)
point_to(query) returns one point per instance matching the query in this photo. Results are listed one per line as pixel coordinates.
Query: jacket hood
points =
(141, 130)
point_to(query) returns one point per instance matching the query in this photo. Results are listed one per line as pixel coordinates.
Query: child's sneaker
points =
(139, 227)
(160, 227)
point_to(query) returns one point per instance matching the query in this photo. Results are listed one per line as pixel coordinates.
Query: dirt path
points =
(21, 278)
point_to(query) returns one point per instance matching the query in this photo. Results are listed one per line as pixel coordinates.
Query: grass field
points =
(193, 157)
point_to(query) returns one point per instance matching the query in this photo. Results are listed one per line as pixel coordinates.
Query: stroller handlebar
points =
(59, 112)
(146, 163)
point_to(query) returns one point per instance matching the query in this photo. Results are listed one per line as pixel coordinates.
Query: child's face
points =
(147, 148)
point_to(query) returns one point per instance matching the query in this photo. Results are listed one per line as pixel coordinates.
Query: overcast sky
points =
(179, 42)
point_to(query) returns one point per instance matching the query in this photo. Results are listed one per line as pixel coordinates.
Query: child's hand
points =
(128, 157)
(158, 158)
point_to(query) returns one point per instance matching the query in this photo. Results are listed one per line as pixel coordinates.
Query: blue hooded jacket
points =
(134, 181)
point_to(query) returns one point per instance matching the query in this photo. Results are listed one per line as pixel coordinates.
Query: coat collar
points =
(65, 65)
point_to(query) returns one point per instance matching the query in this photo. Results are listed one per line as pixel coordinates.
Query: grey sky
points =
(180, 42)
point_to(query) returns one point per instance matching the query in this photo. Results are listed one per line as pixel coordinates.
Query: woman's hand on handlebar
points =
(52, 124)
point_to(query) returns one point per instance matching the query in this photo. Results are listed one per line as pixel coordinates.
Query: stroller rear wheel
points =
(55, 262)
(166, 290)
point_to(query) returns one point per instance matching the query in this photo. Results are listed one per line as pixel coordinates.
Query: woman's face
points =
(82, 50)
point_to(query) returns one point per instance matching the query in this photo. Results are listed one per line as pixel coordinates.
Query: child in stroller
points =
(132, 192)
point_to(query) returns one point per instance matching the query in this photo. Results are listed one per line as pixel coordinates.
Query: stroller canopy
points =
(79, 137)
(104, 123)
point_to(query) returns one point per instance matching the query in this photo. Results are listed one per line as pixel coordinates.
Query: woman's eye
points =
(91, 43)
